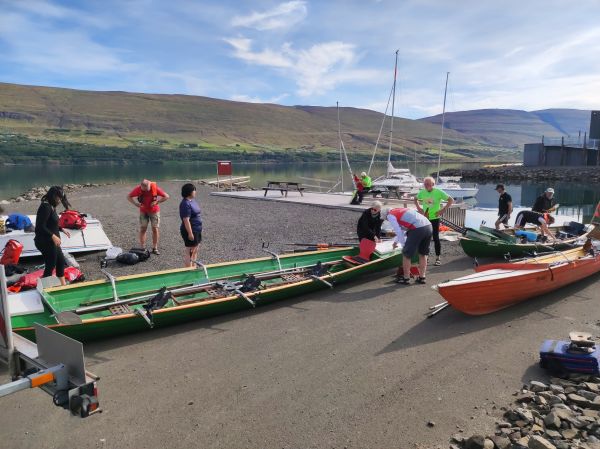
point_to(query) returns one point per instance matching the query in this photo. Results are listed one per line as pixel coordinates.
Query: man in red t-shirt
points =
(148, 196)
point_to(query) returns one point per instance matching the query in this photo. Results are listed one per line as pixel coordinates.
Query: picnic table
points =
(283, 187)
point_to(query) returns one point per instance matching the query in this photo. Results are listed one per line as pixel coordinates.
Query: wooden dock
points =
(336, 201)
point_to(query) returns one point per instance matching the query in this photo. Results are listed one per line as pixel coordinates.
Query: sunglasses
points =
(374, 209)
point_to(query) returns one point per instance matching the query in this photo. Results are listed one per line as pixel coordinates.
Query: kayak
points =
(496, 286)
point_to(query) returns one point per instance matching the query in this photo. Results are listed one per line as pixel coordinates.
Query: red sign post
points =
(224, 168)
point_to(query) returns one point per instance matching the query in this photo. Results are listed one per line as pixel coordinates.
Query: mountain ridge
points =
(177, 121)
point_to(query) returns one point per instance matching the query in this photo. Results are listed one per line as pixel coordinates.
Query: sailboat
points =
(396, 179)
(450, 184)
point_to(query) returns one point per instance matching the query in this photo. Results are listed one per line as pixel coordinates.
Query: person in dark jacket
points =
(545, 203)
(47, 232)
(369, 223)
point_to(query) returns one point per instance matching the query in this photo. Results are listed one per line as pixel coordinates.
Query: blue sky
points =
(503, 54)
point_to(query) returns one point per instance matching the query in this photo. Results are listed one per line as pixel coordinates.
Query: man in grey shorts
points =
(413, 232)
(148, 196)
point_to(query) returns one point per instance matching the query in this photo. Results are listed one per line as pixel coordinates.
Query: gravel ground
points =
(233, 228)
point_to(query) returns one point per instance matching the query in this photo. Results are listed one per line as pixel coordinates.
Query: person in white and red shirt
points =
(148, 196)
(413, 232)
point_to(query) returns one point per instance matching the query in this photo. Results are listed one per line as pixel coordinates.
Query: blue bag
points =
(18, 222)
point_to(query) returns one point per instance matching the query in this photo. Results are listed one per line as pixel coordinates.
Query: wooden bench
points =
(283, 187)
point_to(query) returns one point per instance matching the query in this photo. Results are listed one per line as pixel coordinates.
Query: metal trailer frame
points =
(55, 364)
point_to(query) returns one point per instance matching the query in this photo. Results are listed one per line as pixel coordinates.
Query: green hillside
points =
(86, 126)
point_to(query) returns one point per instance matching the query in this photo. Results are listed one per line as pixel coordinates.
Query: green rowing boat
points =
(101, 309)
(487, 242)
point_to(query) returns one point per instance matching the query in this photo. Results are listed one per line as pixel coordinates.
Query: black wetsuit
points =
(46, 225)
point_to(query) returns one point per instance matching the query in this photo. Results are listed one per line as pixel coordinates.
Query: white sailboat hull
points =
(459, 192)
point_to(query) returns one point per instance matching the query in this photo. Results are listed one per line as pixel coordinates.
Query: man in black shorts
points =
(505, 207)
(535, 218)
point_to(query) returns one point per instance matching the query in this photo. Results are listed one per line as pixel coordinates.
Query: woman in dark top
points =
(47, 232)
(191, 224)
(369, 223)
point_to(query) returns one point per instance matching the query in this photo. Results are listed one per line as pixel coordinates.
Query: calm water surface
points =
(575, 198)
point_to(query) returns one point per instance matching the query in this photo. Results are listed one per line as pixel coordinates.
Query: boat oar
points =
(195, 288)
(438, 310)
(324, 245)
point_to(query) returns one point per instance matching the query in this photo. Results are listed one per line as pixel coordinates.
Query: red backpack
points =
(11, 253)
(71, 219)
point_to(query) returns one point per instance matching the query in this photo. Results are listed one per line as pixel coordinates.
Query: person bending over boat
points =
(413, 232)
(148, 196)
(505, 207)
(535, 218)
(191, 224)
(431, 199)
(369, 223)
(47, 232)
(545, 203)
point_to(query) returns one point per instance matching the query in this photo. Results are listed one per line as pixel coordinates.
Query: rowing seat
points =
(366, 249)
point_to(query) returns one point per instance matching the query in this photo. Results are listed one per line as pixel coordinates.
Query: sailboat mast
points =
(343, 151)
(437, 178)
(393, 105)
(337, 106)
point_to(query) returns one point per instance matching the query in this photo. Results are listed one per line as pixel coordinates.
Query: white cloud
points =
(284, 15)
(315, 70)
(243, 50)
(251, 99)
(68, 52)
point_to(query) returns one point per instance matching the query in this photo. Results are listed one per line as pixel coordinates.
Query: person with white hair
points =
(366, 182)
(429, 203)
(545, 203)
(413, 232)
(369, 223)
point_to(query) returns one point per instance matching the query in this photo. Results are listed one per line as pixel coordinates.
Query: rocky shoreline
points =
(35, 193)
(563, 414)
(520, 173)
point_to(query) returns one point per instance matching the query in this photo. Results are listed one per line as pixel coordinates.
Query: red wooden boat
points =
(496, 286)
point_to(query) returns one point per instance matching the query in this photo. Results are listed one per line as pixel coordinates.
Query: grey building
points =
(566, 151)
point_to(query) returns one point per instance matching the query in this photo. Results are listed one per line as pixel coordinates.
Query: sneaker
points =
(437, 262)
(155, 251)
(421, 280)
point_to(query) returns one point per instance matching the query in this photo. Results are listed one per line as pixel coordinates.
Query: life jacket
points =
(399, 213)
(11, 252)
(18, 222)
(153, 190)
(71, 219)
(29, 281)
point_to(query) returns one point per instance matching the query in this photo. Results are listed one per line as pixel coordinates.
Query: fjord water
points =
(575, 197)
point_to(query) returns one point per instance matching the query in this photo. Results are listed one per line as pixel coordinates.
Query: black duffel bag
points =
(128, 258)
(142, 253)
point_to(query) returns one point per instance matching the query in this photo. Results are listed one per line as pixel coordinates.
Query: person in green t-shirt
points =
(429, 203)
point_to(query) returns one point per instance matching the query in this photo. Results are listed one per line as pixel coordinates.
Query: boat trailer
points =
(55, 364)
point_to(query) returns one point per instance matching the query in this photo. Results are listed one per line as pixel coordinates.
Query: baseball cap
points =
(549, 190)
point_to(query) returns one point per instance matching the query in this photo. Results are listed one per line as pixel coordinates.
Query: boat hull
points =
(110, 326)
(498, 286)
(498, 248)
